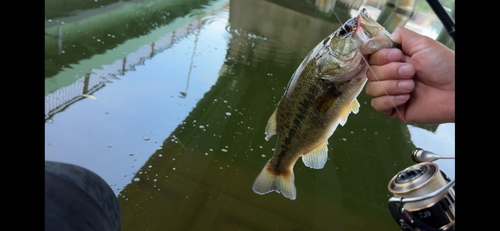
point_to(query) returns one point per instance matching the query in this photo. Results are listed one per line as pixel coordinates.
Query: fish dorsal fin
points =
(271, 127)
(317, 157)
(351, 107)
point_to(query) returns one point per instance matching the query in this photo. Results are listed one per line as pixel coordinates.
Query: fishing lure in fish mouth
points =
(319, 96)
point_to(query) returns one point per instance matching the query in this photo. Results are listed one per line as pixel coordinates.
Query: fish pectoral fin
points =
(271, 127)
(325, 101)
(268, 180)
(355, 106)
(317, 157)
(351, 107)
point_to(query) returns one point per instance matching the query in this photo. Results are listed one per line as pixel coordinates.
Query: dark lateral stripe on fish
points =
(272, 169)
(303, 107)
(277, 172)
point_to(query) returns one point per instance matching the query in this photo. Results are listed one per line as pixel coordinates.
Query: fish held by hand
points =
(319, 96)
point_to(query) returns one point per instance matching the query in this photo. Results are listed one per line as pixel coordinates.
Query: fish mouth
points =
(370, 35)
(362, 25)
(366, 27)
(367, 24)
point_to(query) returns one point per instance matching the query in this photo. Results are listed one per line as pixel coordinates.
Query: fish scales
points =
(292, 127)
(319, 96)
(303, 100)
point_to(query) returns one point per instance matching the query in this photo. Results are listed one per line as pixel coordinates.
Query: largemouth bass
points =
(319, 96)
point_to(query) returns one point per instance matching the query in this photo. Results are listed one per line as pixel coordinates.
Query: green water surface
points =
(183, 91)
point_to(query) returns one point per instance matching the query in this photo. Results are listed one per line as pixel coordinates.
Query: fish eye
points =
(344, 30)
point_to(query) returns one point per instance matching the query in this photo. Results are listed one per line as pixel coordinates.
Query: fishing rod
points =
(424, 197)
(448, 23)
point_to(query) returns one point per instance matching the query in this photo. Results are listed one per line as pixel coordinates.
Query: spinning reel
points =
(424, 197)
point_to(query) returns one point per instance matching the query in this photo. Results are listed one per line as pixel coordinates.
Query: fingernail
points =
(406, 70)
(394, 55)
(406, 85)
(402, 97)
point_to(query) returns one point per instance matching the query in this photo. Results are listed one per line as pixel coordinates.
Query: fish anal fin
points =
(270, 180)
(271, 127)
(353, 107)
(317, 157)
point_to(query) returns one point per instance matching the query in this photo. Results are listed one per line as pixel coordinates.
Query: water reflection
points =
(112, 127)
(440, 141)
(178, 125)
(80, 31)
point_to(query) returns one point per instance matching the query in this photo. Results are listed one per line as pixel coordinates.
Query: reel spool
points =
(424, 198)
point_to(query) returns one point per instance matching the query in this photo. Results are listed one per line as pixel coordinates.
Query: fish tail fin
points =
(269, 180)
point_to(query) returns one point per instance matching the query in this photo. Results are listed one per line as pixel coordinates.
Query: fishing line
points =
(387, 94)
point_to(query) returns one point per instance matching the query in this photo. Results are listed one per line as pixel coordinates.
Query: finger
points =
(385, 56)
(389, 71)
(386, 104)
(389, 87)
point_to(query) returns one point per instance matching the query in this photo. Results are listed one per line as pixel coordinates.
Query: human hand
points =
(419, 80)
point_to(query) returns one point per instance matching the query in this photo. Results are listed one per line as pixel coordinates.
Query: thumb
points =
(408, 39)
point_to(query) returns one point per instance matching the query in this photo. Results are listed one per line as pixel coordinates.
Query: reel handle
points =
(420, 155)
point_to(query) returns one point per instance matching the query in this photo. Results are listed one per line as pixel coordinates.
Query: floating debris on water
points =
(90, 96)
(180, 142)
